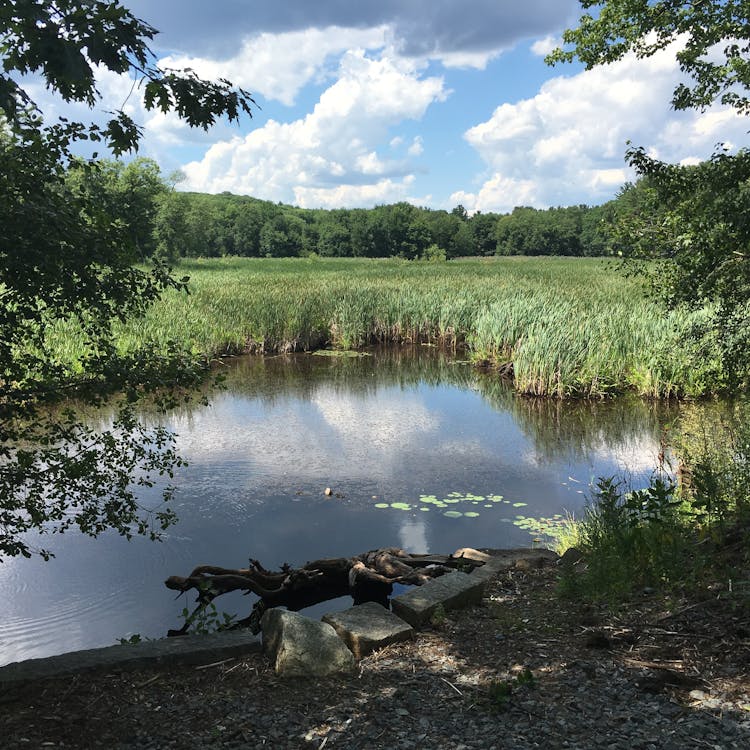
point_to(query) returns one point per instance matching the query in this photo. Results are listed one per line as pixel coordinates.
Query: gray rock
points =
(521, 559)
(493, 567)
(450, 591)
(301, 646)
(368, 627)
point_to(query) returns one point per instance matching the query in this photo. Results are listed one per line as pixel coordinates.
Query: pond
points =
(419, 449)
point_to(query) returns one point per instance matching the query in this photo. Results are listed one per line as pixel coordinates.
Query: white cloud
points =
(542, 47)
(278, 66)
(412, 535)
(371, 194)
(499, 193)
(477, 60)
(417, 147)
(374, 425)
(330, 154)
(566, 144)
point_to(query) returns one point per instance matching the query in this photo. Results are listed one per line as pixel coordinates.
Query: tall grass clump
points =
(714, 468)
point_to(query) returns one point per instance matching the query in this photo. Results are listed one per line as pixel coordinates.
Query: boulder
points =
(303, 647)
(368, 627)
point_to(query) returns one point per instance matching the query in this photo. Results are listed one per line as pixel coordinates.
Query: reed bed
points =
(569, 326)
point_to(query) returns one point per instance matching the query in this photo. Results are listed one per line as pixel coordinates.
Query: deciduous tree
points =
(66, 261)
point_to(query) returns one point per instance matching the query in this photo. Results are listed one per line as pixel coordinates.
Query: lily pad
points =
(382, 505)
(520, 505)
(471, 514)
(452, 514)
(401, 506)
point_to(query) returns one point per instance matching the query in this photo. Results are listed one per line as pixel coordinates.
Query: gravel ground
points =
(523, 670)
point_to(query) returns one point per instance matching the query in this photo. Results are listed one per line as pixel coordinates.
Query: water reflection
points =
(389, 429)
(412, 536)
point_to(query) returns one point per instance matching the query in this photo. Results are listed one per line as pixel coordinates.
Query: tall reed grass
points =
(569, 326)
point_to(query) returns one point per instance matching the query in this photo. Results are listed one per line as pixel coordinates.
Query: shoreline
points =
(637, 678)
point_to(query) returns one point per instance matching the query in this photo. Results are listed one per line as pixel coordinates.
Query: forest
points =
(167, 223)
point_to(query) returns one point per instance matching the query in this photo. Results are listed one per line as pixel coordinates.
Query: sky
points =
(435, 102)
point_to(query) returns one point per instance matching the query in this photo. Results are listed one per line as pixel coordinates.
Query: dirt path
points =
(524, 669)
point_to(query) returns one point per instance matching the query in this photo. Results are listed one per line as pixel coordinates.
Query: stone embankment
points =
(296, 644)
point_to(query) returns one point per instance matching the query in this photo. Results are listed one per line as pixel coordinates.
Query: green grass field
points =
(570, 326)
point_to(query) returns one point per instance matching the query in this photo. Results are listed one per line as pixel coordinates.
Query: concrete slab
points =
(368, 627)
(189, 649)
(450, 591)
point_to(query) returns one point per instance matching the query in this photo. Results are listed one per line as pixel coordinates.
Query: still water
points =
(409, 427)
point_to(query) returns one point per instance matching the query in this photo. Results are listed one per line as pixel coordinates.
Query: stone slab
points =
(367, 627)
(189, 649)
(450, 591)
(522, 559)
(300, 646)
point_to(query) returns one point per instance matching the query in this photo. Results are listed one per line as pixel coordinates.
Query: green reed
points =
(569, 326)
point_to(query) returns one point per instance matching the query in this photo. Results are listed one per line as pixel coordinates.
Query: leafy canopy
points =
(67, 267)
(63, 41)
(715, 38)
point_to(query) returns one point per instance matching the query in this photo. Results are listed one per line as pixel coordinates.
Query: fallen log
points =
(366, 577)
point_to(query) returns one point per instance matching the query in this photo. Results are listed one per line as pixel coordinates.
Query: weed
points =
(207, 619)
(671, 537)
(438, 617)
(630, 539)
(525, 677)
(131, 641)
(500, 692)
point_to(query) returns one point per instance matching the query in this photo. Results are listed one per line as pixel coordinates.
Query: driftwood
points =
(366, 577)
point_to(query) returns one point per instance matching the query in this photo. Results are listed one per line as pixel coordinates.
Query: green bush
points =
(631, 540)
(669, 536)
(434, 254)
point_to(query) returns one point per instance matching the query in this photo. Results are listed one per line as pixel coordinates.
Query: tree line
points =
(165, 223)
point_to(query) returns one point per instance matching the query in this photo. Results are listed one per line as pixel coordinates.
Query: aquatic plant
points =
(569, 326)
(472, 506)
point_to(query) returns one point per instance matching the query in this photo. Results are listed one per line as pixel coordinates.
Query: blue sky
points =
(431, 101)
